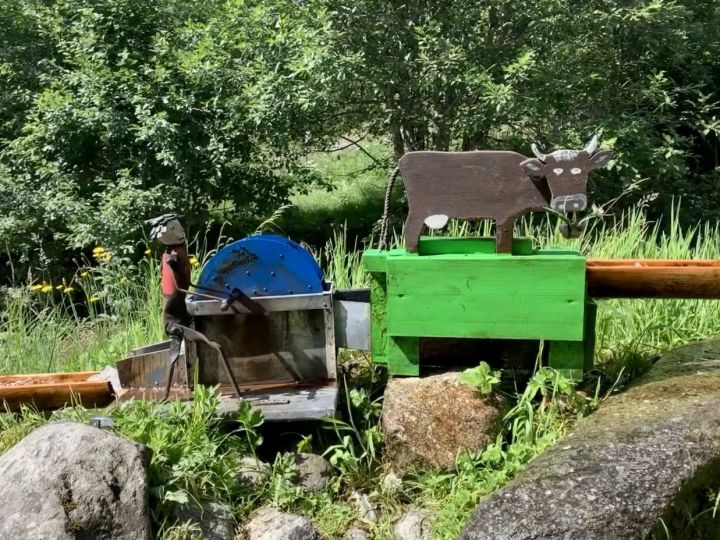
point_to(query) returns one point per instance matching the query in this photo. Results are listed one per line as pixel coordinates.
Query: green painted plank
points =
(501, 296)
(567, 357)
(589, 339)
(378, 319)
(404, 356)
(441, 245)
(374, 260)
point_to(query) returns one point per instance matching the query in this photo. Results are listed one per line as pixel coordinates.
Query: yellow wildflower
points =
(36, 287)
(46, 288)
(59, 287)
(98, 250)
(94, 298)
(84, 274)
(194, 261)
(148, 251)
(68, 290)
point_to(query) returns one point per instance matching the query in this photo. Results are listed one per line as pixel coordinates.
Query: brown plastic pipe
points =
(641, 278)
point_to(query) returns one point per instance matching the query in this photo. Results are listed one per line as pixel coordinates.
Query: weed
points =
(356, 454)
(480, 378)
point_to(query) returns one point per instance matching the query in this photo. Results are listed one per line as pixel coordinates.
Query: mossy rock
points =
(640, 464)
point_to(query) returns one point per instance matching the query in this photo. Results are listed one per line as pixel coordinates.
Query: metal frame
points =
(281, 404)
(296, 302)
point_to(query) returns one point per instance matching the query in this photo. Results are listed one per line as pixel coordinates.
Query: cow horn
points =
(592, 145)
(537, 152)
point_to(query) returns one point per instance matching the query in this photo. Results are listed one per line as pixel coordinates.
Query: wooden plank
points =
(690, 263)
(445, 245)
(374, 260)
(403, 356)
(50, 396)
(378, 318)
(568, 358)
(633, 278)
(47, 378)
(499, 296)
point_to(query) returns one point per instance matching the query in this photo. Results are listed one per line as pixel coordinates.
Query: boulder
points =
(67, 480)
(366, 509)
(428, 421)
(391, 483)
(252, 472)
(313, 472)
(214, 521)
(355, 533)
(415, 524)
(271, 524)
(642, 457)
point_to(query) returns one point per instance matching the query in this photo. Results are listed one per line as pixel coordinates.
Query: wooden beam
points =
(48, 391)
(639, 278)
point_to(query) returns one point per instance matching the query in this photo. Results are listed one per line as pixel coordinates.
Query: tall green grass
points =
(90, 321)
(628, 331)
(116, 305)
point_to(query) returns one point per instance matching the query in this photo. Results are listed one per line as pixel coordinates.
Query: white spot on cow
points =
(576, 170)
(558, 171)
(436, 221)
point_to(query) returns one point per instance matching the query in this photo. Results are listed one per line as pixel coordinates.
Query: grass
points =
(90, 321)
(353, 200)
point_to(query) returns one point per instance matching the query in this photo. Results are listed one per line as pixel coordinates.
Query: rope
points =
(385, 225)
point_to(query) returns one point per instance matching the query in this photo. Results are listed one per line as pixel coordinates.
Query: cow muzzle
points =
(569, 203)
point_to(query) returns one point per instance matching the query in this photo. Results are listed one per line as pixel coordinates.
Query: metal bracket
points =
(190, 334)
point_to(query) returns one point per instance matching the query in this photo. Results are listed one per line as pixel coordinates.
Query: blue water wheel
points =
(262, 265)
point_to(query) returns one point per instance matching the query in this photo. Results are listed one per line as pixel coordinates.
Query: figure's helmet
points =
(167, 229)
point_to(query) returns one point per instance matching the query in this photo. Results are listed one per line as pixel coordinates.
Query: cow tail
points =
(385, 224)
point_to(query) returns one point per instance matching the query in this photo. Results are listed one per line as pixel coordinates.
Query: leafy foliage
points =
(193, 459)
(467, 75)
(137, 107)
(112, 110)
(480, 378)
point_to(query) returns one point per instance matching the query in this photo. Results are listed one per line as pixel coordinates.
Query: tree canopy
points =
(112, 110)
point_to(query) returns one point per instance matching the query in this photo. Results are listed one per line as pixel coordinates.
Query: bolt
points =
(290, 291)
(247, 272)
(254, 291)
(309, 287)
(272, 274)
(264, 289)
(282, 256)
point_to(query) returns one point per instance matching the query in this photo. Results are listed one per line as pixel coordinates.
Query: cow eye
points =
(558, 171)
(576, 170)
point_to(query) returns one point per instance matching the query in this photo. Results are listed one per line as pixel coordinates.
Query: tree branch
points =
(368, 154)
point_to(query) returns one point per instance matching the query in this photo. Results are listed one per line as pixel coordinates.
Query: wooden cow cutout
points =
(494, 184)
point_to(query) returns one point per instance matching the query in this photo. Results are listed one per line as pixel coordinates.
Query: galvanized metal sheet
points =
(155, 347)
(198, 307)
(352, 324)
(150, 369)
(286, 405)
(277, 346)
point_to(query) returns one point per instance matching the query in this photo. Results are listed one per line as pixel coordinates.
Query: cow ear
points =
(600, 158)
(533, 167)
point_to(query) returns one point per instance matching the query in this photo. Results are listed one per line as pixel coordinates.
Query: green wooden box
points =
(461, 288)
